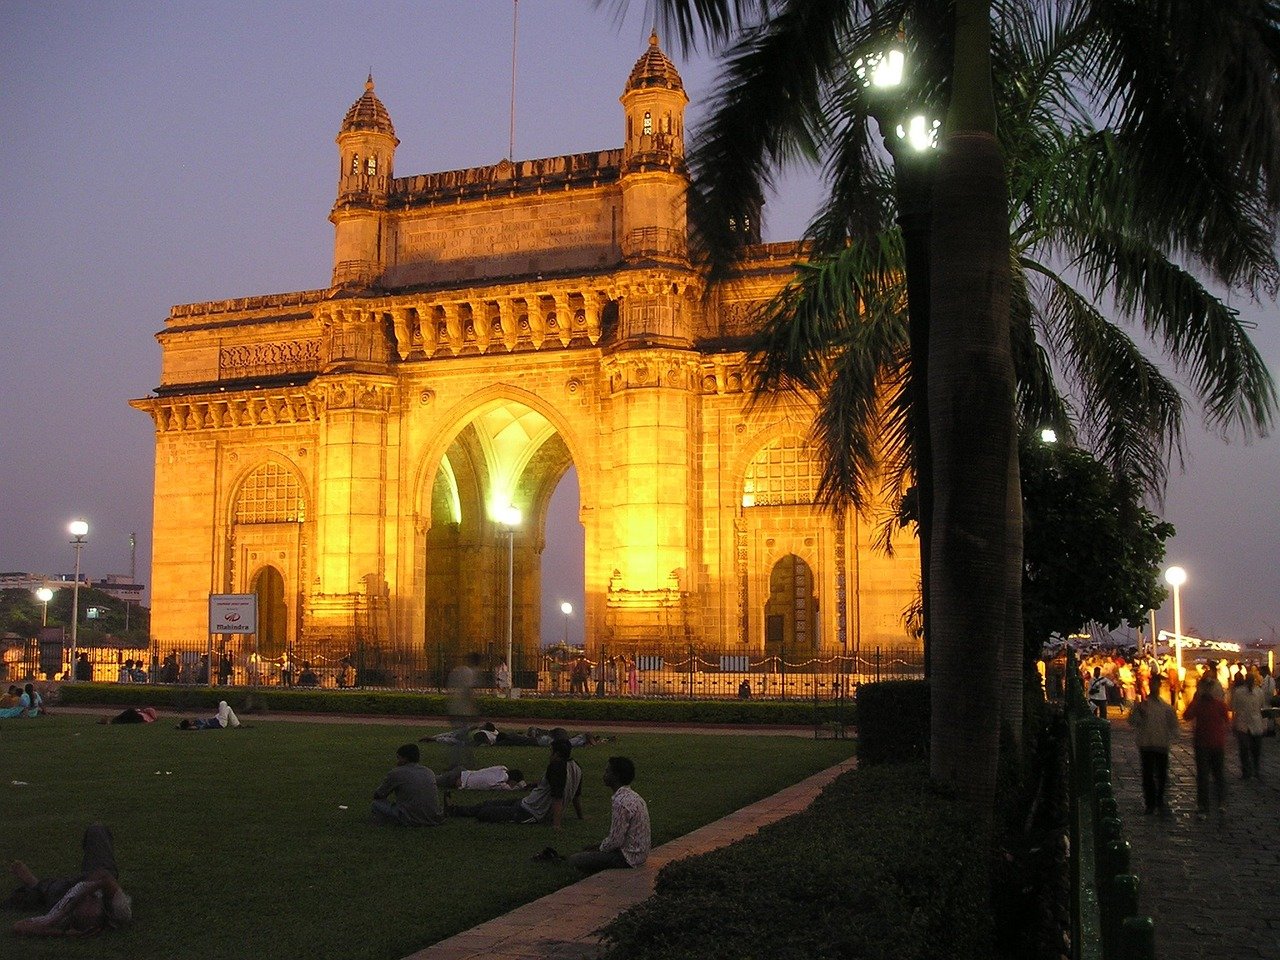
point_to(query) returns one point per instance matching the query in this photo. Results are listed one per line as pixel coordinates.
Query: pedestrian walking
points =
(1099, 692)
(1247, 722)
(1154, 727)
(1209, 738)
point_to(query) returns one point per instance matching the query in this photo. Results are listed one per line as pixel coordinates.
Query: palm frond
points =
(1129, 412)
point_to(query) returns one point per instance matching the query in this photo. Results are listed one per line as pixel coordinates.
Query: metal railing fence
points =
(688, 671)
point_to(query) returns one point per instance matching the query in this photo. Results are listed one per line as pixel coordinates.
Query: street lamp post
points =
(79, 531)
(567, 609)
(509, 518)
(44, 595)
(1176, 577)
(910, 136)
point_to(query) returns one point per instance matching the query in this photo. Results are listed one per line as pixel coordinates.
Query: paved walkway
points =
(563, 925)
(1213, 888)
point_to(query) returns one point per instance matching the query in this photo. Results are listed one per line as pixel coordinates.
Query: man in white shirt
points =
(486, 778)
(627, 844)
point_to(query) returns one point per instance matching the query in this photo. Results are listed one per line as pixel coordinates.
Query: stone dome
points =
(368, 113)
(654, 70)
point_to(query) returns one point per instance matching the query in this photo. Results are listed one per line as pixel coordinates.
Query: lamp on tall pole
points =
(1176, 577)
(509, 518)
(892, 91)
(567, 609)
(44, 595)
(79, 531)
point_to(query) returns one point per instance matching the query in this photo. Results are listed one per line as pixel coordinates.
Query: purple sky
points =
(161, 153)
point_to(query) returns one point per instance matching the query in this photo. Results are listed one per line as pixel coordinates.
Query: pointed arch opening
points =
(791, 611)
(273, 612)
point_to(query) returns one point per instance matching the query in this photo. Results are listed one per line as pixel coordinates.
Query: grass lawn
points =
(234, 843)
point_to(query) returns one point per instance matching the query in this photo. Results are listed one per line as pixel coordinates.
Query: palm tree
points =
(1189, 99)
(839, 328)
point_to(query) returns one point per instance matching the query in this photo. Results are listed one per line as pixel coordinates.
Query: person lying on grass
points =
(486, 734)
(85, 904)
(226, 718)
(486, 778)
(562, 782)
(132, 715)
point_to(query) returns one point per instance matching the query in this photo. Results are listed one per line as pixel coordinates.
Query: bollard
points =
(1118, 899)
(1107, 808)
(1114, 861)
(1138, 938)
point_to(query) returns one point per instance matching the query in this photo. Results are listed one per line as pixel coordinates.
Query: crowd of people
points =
(1222, 701)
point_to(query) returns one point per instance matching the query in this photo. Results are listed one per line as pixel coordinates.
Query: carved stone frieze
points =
(229, 411)
(268, 359)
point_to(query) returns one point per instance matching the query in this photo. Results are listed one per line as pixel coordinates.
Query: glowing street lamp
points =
(1176, 577)
(79, 531)
(567, 609)
(44, 595)
(1048, 435)
(509, 518)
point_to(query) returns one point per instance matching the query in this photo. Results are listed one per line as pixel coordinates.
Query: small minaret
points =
(366, 156)
(654, 179)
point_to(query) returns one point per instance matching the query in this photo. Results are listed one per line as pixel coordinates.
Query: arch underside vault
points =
(506, 455)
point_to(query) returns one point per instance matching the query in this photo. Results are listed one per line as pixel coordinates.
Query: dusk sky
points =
(163, 153)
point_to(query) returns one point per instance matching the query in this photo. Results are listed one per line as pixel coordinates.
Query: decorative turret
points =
(366, 155)
(654, 179)
(654, 101)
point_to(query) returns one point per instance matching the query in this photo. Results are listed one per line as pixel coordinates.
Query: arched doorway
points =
(273, 612)
(790, 613)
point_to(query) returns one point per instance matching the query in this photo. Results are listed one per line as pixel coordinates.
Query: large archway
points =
(505, 455)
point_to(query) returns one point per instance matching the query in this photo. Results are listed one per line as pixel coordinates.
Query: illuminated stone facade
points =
(342, 452)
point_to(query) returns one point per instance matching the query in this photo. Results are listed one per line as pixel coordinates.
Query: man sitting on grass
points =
(85, 904)
(417, 803)
(627, 844)
(562, 782)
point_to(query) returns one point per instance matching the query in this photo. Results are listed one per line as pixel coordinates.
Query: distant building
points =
(117, 585)
(347, 453)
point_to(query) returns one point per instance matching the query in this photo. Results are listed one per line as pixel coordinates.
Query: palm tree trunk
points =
(914, 174)
(1013, 659)
(971, 401)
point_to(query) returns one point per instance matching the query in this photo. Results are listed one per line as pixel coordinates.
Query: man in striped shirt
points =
(627, 844)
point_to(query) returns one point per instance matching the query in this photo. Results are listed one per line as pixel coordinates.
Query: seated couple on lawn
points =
(21, 702)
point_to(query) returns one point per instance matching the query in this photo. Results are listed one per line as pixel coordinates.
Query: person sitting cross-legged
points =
(417, 801)
(627, 844)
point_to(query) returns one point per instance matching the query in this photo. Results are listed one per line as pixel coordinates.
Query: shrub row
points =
(397, 703)
(878, 866)
(893, 721)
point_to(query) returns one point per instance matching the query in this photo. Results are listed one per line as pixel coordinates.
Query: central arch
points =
(503, 452)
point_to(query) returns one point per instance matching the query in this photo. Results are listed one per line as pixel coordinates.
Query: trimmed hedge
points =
(893, 721)
(397, 703)
(877, 867)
